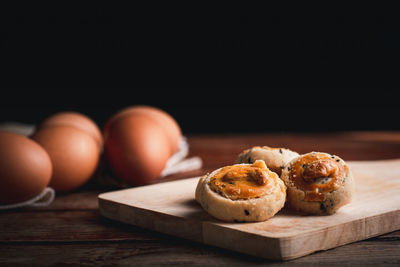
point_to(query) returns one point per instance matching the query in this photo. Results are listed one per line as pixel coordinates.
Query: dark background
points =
(215, 69)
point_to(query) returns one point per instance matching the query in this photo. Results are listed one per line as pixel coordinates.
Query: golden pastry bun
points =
(228, 194)
(275, 158)
(318, 183)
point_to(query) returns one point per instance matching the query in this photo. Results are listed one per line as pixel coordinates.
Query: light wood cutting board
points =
(170, 208)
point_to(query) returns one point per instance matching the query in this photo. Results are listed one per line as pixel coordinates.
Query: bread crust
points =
(275, 158)
(241, 210)
(332, 200)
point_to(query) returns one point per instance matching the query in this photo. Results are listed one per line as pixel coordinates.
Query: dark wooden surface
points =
(72, 232)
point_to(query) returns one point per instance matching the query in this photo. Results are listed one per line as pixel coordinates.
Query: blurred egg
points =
(25, 168)
(77, 120)
(165, 121)
(74, 155)
(136, 148)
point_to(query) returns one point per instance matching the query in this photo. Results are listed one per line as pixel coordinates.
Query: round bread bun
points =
(275, 158)
(230, 194)
(318, 183)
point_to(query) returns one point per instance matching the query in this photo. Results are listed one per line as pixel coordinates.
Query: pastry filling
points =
(317, 174)
(243, 181)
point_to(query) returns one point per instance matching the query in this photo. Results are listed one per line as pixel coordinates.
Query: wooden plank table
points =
(72, 232)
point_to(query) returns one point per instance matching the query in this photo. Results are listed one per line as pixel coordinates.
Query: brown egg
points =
(75, 119)
(136, 148)
(73, 153)
(25, 168)
(167, 123)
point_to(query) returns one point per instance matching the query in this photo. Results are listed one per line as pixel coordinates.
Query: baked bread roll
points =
(275, 158)
(318, 183)
(242, 193)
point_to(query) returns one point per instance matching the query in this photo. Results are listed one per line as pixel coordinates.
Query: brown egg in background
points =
(25, 168)
(74, 154)
(136, 148)
(166, 122)
(77, 120)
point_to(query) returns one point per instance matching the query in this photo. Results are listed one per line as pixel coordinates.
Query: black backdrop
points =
(208, 67)
(212, 117)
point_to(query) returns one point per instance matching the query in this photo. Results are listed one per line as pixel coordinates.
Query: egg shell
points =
(25, 168)
(75, 119)
(136, 149)
(166, 121)
(73, 153)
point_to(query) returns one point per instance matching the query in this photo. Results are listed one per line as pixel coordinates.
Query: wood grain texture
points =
(71, 231)
(183, 253)
(65, 226)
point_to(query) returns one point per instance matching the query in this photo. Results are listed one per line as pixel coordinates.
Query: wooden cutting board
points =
(170, 208)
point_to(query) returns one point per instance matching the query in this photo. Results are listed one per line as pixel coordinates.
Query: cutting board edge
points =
(365, 224)
(166, 223)
(144, 187)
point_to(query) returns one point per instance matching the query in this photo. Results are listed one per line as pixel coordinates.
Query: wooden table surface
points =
(72, 232)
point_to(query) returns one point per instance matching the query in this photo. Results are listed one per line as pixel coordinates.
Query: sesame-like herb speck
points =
(280, 150)
(322, 207)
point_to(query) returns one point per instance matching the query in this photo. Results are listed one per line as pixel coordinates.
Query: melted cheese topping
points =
(317, 174)
(244, 181)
